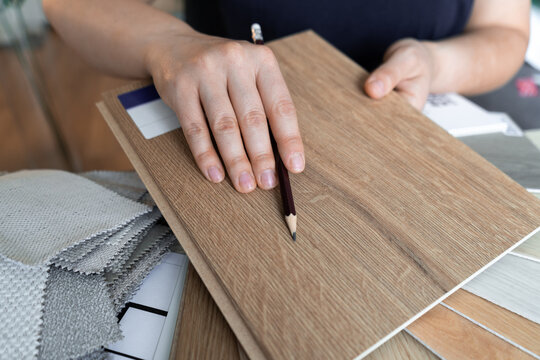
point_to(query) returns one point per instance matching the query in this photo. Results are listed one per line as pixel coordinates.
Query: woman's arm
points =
(485, 56)
(235, 84)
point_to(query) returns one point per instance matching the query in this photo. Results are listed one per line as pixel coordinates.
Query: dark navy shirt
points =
(362, 29)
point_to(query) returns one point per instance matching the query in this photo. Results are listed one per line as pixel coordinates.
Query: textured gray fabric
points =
(95, 355)
(125, 183)
(124, 283)
(21, 303)
(43, 212)
(115, 249)
(78, 315)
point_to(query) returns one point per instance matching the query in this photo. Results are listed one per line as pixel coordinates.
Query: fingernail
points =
(377, 87)
(268, 179)
(214, 174)
(246, 181)
(297, 162)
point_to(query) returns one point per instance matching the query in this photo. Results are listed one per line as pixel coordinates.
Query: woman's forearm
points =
(477, 61)
(114, 36)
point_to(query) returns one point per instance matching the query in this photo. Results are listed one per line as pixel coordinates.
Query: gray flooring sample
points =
(516, 156)
(513, 283)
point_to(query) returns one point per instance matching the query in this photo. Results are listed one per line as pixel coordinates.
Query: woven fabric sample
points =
(513, 283)
(21, 304)
(78, 315)
(125, 183)
(43, 212)
(114, 250)
(146, 255)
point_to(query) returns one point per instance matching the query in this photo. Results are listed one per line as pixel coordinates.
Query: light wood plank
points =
(454, 337)
(512, 283)
(402, 347)
(382, 182)
(202, 332)
(506, 323)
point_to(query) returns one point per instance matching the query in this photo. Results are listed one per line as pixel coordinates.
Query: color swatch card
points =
(394, 214)
(151, 115)
(461, 117)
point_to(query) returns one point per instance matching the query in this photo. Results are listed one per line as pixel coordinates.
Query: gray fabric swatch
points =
(512, 283)
(21, 304)
(125, 183)
(78, 315)
(43, 212)
(114, 250)
(123, 284)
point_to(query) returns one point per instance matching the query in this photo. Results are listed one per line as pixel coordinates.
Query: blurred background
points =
(48, 117)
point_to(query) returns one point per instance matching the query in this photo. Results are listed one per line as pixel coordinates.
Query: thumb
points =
(387, 76)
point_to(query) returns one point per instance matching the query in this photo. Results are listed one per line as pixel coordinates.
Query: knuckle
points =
(254, 118)
(236, 161)
(284, 107)
(194, 130)
(233, 51)
(225, 124)
(263, 158)
(266, 52)
(204, 157)
(290, 140)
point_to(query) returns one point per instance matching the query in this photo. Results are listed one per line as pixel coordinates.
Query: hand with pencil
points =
(228, 89)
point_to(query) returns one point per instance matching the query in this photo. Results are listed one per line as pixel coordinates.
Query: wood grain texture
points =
(402, 347)
(202, 332)
(505, 323)
(513, 283)
(454, 337)
(516, 156)
(27, 140)
(395, 214)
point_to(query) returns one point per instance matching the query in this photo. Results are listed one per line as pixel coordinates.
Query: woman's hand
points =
(234, 85)
(408, 68)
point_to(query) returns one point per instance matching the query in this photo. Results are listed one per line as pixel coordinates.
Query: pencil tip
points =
(294, 236)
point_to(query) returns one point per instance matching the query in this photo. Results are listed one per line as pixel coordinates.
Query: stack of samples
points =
(73, 250)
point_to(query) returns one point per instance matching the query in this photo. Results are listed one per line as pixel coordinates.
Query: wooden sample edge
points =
(237, 324)
(442, 298)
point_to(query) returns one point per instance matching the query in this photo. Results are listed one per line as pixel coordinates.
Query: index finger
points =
(281, 113)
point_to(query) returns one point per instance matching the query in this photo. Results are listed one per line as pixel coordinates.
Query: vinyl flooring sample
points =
(516, 156)
(507, 324)
(513, 283)
(393, 214)
(453, 337)
(530, 248)
(402, 347)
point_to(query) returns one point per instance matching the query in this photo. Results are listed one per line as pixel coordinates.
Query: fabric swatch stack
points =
(73, 250)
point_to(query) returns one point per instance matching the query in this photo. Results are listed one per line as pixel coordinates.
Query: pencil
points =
(281, 170)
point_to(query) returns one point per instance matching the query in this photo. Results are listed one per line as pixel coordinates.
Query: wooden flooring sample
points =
(530, 248)
(514, 155)
(393, 215)
(513, 283)
(507, 324)
(454, 337)
(402, 347)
